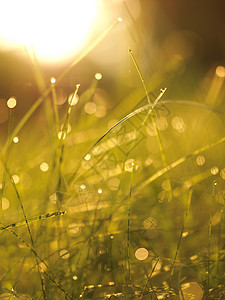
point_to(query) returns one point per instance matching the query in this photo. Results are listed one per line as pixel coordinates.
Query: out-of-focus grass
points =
(122, 236)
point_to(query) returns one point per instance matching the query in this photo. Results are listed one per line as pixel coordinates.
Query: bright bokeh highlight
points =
(15, 179)
(5, 203)
(53, 80)
(11, 103)
(141, 253)
(15, 139)
(98, 76)
(44, 167)
(55, 29)
(220, 71)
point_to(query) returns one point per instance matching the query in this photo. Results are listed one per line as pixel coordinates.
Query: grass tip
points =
(163, 90)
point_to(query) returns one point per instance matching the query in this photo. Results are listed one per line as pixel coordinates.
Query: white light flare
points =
(55, 29)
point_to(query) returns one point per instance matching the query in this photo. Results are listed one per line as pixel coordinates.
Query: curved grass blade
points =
(175, 164)
(148, 107)
(30, 220)
(41, 260)
(162, 152)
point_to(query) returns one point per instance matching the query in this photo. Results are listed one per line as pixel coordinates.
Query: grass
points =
(152, 181)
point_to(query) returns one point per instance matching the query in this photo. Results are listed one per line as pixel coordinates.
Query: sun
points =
(55, 29)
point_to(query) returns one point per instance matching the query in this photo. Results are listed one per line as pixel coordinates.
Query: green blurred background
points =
(144, 203)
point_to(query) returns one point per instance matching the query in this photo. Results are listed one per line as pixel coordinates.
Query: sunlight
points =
(54, 29)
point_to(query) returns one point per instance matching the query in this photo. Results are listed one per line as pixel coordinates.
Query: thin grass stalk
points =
(210, 233)
(128, 224)
(54, 100)
(176, 163)
(30, 220)
(62, 145)
(161, 149)
(182, 230)
(148, 107)
(41, 260)
(40, 99)
(149, 281)
(27, 224)
(219, 234)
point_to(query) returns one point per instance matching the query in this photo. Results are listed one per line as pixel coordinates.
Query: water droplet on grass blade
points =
(11, 103)
(98, 76)
(15, 139)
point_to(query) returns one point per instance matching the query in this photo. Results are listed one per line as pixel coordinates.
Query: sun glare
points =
(55, 29)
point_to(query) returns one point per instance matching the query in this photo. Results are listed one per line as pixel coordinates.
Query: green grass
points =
(148, 182)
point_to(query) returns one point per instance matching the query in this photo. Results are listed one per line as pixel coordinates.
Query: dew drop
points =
(129, 165)
(73, 99)
(11, 103)
(15, 139)
(200, 160)
(214, 170)
(220, 71)
(53, 80)
(74, 229)
(98, 76)
(184, 234)
(61, 135)
(87, 156)
(15, 179)
(83, 187)
(141, 253)
(44, 167)
(64, 254)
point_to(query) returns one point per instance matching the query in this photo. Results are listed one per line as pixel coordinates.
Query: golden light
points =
(15, 179)
(53, 80)
(200, 160)
(90, 108)
(44, 167)
(15, 139)
(64, 254)
(98, 76)
(87, 156)
(74, 229)
(100, 191)
(214, 170)
(11, 103)
(55, 29)
(61, 135)
(141, 253)
(73, 99)
(220, 71)
(178, 124)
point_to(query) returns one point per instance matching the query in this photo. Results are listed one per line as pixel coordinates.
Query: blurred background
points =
(183, 40)
(144, 198)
